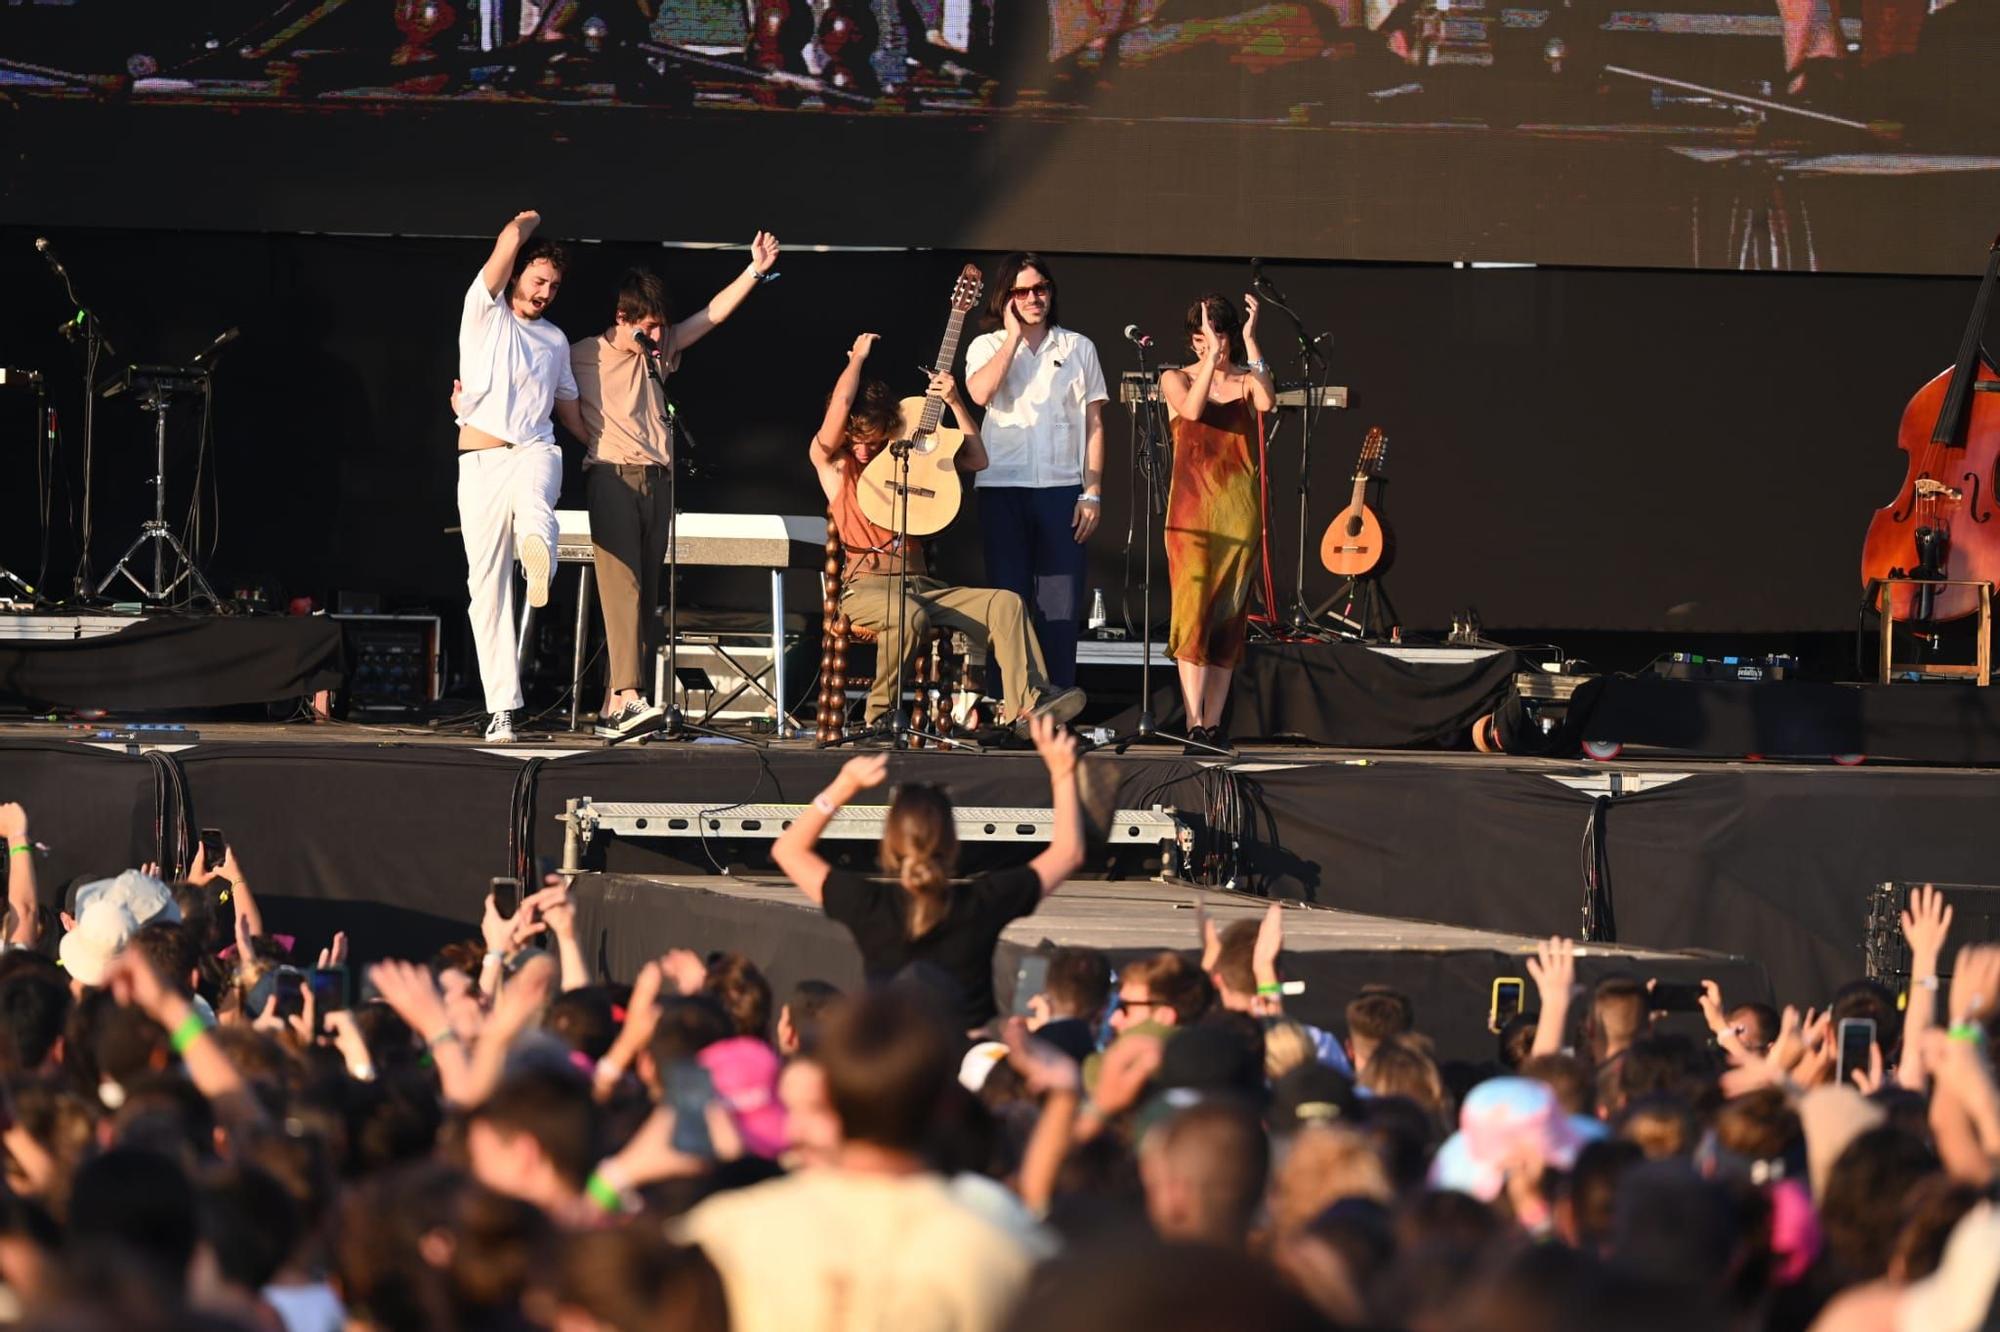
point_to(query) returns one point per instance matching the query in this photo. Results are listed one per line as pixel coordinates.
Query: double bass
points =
(1942, 524)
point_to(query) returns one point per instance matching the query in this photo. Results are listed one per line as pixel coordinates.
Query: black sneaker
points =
(500, 730)
(1061, 705)
(635, 718)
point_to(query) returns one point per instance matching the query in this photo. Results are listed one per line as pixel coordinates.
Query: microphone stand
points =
(1304, 622)
(674, 724)
(95, 345)
(1154, 467)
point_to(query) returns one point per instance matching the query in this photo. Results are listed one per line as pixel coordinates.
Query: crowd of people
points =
(201, 1131)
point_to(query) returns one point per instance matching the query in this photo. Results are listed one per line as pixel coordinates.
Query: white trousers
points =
(503, 494)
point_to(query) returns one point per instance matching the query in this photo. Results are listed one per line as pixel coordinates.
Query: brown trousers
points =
(987, 612)
(628, 527)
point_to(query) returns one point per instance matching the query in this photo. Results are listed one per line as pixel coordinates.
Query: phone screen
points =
(1030, 979)
(1507, 991)
(1674, 997)
(1856, 1035)
(690, 1091)
(213, 847)
(506, 896)
(290, 989)
(329, 989)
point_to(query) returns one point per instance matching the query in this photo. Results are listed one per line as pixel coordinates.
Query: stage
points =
(391, 833)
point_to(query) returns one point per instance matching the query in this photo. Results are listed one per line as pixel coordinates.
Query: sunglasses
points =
(1039, 289)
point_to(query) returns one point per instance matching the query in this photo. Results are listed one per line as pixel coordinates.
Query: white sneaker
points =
(535, 562)
(500, 730)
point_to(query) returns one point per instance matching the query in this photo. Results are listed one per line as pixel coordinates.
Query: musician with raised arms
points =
(513, 374)
(628, 450)
(863, 418)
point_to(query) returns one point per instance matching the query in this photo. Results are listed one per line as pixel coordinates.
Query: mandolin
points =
(1353, 542)
(935, 491)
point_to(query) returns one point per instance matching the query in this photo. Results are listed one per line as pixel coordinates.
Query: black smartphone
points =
(1856, 1036)
(213, 848)
(1030, 979)
(1674, 997)
(506, 892)
(329, 989)
(1506, 1005)
(690, 1091)
(290, 988)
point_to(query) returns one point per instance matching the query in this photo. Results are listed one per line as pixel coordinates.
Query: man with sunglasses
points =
(1042, 493)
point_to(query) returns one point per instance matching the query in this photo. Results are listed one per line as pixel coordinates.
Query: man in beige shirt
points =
(620, 378)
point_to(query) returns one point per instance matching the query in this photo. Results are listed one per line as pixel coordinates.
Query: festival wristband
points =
(19, 849)
(1090, 499)
(825, 806)
(761, 278)
(191, 1029)
(1273, 990)
(445, 1037)
(1970, 1032)
(603, 1192)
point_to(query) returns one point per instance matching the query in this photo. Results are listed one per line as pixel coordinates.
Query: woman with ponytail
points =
(924, 915)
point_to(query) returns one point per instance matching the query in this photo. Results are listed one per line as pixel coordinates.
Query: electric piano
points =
(773, 541)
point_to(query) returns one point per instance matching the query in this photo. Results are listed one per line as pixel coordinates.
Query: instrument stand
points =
(1301, 621)
(674, 724)
(896, 725)
(155, 532)
(1153, 466)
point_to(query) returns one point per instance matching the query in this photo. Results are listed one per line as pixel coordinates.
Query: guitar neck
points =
(946, 357)
(1360, 491)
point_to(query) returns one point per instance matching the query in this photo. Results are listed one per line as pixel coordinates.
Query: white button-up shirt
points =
(1036, 425)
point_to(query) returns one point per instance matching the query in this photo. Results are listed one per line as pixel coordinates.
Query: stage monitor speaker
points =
(1975, 918)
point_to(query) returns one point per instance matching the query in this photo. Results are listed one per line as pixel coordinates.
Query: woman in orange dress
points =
(1214, 522)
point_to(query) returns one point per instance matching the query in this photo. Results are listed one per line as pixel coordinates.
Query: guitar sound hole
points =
(1354, 526)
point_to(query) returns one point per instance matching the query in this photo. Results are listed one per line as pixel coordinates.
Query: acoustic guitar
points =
(1353, 541)
(935, 491)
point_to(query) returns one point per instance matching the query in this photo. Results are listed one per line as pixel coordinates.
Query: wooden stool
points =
(930, 670)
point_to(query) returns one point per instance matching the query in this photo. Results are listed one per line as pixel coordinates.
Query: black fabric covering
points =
(1938, 722)
(97, 812)
(164, 662)
(624, 922)
(1344, 694)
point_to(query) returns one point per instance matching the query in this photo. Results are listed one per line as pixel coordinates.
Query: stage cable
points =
(521, 824)
(173, 814)
(1598, 925)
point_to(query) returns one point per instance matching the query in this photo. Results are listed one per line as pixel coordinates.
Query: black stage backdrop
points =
(1689, 453)
(206, 661)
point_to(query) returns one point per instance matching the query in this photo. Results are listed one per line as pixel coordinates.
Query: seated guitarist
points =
(861, 419)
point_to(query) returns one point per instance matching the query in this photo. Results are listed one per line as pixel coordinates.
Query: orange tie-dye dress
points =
(1214, 526)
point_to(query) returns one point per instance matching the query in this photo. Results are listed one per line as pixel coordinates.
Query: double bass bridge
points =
(1929, 487)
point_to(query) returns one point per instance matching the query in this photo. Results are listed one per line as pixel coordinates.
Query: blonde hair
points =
(920, 847)
(1286, 1047)
(1324, 1164)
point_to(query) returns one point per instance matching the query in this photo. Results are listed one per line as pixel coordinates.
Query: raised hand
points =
(1041, 1066)
(1553, 970)
(1975, 981)
(1868, 1080)
(1926, 922)
(862, 346)
(763, 251)
(1250, 309)
(14, 823)
(412, 994)
(683, 969)
(335, 953)
(496, 930)
(866, 770)
(526, 222)
(1056, 745)
(1127, 1066)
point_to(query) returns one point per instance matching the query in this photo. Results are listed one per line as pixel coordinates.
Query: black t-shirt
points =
(960, 945)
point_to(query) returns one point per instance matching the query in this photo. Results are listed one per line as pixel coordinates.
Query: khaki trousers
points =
(628, 528)
(988, 612)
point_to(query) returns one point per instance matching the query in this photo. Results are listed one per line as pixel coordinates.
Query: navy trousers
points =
(1032, 550)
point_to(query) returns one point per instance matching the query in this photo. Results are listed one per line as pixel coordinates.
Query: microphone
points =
(1135, 337)
(48, 253)
(645, 341)
(1264, 284)
(222, 339)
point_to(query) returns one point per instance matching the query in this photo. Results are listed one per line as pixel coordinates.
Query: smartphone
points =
(506, 892)
(1506, 1005)
(290, 988)
(1674, 997)
(1856, 1036)
(213, 848)
(1030, 979)
(329, 989)
(690, 1091)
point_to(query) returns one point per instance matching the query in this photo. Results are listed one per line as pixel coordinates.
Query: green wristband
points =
(20, 849)
(1967, 1031)
(192, 1028)
(601, 1191)
(1273, 991)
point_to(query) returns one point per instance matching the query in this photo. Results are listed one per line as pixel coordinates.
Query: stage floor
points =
(402, 827)
(1447, 971)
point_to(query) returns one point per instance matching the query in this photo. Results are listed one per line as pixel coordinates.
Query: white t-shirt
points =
(512, 369)
(1035, 428)
(861, 1252)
